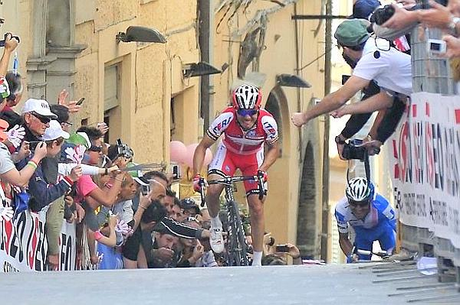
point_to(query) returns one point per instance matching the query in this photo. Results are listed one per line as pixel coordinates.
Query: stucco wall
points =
(149, 76)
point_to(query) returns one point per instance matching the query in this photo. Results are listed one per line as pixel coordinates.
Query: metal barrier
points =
(431, 74)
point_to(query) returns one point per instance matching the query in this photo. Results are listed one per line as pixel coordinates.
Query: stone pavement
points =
(307, 284)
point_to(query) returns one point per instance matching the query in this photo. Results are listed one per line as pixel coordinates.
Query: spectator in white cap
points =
(42, 192)
(36, 115)
(46, 192)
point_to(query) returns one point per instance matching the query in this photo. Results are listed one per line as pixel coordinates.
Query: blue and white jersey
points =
(380, 212)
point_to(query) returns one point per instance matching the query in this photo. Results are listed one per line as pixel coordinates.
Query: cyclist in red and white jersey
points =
(246, 128)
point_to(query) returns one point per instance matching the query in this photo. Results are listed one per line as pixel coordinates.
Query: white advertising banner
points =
(23, 244)
(425, 164)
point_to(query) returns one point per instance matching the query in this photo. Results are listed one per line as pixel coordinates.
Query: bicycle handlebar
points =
(382, 254)
(229, 181)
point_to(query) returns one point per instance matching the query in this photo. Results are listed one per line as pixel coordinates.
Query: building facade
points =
(141, 91)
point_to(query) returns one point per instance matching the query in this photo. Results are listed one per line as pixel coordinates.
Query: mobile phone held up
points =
(80, 101)
(145, 190)
(436, 46)
(282, 248)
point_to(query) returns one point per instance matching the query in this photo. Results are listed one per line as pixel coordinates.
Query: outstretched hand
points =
(401, 18)
(298, 119)
(452, 46)
(338, 113)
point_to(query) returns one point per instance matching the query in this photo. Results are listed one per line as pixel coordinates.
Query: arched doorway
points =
(307, 237)
(278, 107)
(278, 207)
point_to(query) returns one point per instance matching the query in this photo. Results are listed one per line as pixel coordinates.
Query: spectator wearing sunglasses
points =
(88, 194)
(370, 215)
(63, 116)
(36, 116)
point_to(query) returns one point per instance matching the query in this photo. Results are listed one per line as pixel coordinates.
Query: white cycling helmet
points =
(359, 190)
(247, 97)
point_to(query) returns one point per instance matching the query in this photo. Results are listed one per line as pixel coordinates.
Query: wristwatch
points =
(453, 25)
(339, 140)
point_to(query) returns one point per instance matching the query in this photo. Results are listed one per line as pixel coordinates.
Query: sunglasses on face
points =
(361, 204)
(245, 112)
(42, 119)
(95, 148)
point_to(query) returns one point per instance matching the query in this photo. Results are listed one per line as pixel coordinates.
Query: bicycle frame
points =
(236, 241)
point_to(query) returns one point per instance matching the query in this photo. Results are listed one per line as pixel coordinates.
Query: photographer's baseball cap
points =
(40, 107)
(352, 32)
(3, 126)
(4, 88)
(362, 9)
(54, 132)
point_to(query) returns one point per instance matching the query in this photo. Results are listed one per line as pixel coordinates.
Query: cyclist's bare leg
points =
(212, 200)
(212, 196)
(256, 210)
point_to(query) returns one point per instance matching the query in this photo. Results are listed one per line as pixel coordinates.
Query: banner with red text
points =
(425, 164)
(23, 244)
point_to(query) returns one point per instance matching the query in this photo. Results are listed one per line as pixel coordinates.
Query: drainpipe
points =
(327, 90)
(205, 40)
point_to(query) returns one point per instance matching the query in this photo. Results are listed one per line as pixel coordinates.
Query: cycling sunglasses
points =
(361, 204)
(245, 112)
(95, 148)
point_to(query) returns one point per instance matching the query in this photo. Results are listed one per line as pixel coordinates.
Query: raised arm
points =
(10, 45)
(376, 102)
(331, 101)
(200, 152)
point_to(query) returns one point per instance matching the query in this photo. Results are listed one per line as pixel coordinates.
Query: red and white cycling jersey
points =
(243, 142)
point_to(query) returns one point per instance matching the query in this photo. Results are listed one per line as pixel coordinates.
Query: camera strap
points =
(367, 168)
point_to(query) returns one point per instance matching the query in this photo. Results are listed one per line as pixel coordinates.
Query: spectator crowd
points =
(126, 214)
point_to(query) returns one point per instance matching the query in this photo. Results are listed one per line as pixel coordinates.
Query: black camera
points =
(124, 150)
(351, 152)
(33, 145)
(382, 15)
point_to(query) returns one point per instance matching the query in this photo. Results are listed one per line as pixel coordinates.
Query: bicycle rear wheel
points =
(237, 248)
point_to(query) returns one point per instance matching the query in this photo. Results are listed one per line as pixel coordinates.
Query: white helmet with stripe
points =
(247, 97)
(358, 189)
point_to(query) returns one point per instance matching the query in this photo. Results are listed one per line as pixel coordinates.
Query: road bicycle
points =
(236, 253)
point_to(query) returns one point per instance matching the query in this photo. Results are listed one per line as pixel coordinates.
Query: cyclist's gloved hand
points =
(262, 174)
(349, 259)
(196, 183)
(352, 258)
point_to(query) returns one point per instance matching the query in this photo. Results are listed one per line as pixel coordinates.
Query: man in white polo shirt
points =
(375, 60)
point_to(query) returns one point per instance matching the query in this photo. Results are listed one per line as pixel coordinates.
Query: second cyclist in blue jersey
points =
(369, 214)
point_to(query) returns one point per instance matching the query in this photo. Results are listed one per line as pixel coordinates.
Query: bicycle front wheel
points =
(237, 248)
